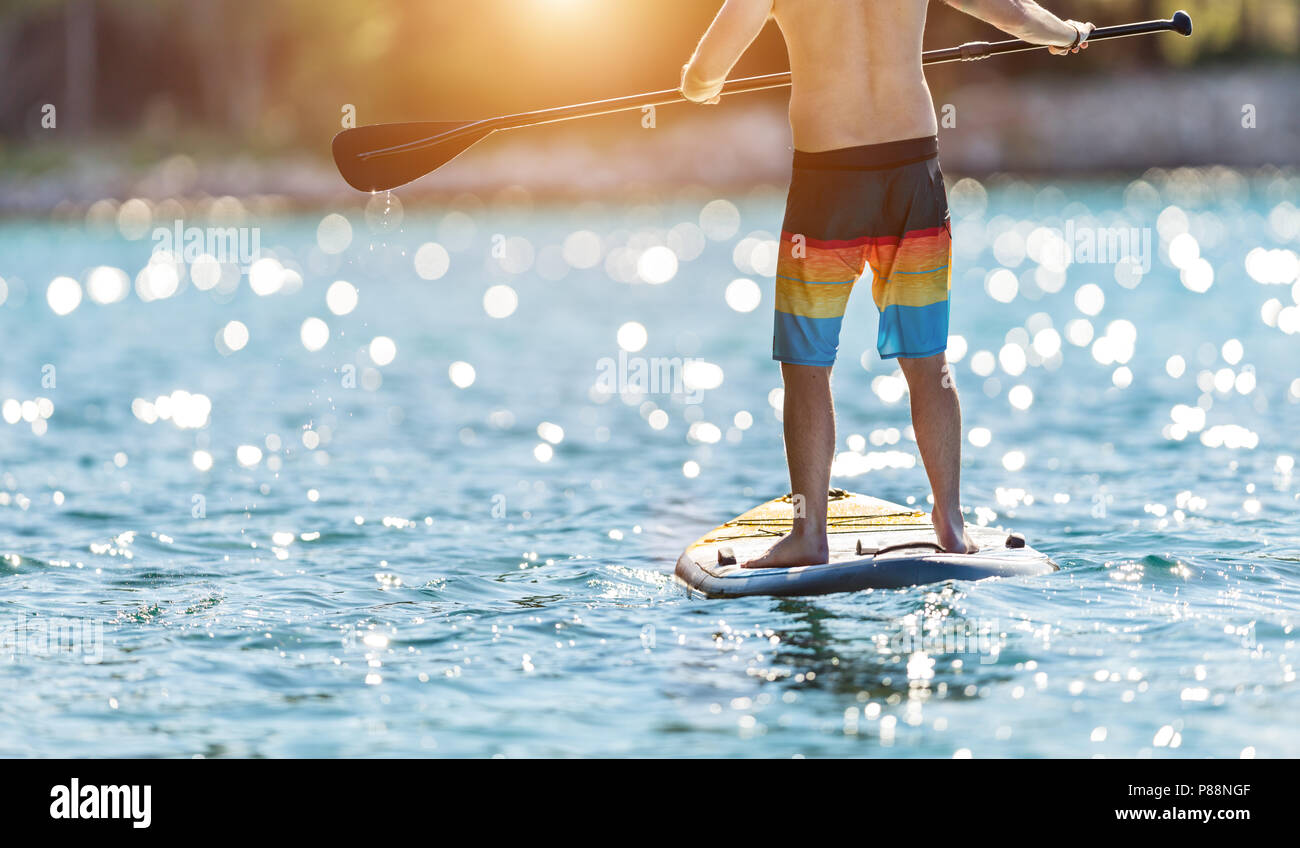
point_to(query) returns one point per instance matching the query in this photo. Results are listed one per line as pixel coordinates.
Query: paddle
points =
(384, 156)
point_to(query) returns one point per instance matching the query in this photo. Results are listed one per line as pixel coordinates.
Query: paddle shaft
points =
(971, 51)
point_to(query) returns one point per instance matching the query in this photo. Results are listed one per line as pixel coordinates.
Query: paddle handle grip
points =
(1180, 23)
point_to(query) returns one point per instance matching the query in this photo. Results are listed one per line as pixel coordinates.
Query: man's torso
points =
(857, 71)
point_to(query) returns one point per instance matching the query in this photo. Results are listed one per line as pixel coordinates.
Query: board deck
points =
(860, 529)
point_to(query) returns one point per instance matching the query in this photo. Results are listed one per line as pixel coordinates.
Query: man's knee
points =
(928, 369)
(926, 365)
(805, 373)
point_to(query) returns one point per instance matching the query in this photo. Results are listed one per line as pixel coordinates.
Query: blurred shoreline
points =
(1037, 126)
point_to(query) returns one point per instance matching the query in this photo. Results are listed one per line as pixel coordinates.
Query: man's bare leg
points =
(936, 418)
(809, 419)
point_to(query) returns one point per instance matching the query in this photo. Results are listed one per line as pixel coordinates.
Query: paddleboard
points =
(874, 544)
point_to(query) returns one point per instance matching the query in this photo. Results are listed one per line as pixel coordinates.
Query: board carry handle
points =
(901, 546)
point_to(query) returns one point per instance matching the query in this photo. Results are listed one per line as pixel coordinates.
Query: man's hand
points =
(1081, 42)
(696, 93)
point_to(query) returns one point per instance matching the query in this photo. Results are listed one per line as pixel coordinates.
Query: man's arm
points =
(732, 31)
(1027, 21)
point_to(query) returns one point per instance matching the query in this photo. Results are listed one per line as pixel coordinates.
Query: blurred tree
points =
(13, 70)
(79, 78)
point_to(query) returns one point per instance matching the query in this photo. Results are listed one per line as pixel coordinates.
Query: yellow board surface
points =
(846, 512)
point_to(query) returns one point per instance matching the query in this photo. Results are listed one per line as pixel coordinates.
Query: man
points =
(866, 190)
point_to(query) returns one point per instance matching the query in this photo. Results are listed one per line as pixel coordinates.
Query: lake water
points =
(441, 532)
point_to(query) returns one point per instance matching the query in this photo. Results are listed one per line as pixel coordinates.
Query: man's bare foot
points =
(952, 535)
(793, 550)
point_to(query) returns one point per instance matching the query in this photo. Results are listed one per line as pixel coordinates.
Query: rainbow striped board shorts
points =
(880, 205)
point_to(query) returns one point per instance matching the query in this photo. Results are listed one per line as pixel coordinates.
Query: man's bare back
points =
(857, 71)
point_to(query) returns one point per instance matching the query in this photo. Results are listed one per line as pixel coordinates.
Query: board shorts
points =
(879, 205)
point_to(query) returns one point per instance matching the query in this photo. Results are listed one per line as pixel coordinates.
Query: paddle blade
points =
(380, 157)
